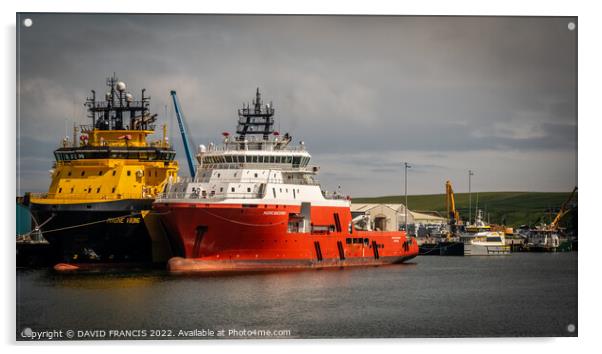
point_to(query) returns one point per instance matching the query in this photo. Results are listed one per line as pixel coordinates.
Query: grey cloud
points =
(347, 85)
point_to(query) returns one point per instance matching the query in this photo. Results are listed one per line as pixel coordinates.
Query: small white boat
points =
(480, 240)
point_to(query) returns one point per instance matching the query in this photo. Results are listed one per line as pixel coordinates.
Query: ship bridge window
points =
(254, 158)
(296, 161)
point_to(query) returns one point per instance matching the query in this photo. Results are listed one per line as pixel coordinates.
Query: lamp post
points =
(406, 166)
(470, 174)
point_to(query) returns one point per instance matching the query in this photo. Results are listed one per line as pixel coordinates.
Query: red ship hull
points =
(212, 237)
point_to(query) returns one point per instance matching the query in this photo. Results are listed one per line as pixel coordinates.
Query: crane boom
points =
(563, 210)
(450, 202)
(183, 132)
(452, 213)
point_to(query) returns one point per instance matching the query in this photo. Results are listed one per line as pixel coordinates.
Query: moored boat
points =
(255, 204)
(97, 208)
(480, 240)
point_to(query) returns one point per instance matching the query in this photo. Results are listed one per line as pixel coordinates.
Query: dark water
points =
(518, 295)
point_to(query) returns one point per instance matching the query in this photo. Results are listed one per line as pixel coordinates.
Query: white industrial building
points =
(389, 217)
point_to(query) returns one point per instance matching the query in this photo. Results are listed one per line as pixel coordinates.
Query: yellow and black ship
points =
(98, 206)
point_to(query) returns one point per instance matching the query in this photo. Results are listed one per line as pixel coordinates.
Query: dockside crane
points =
(450, 202)
(182, 126)
(563, 210)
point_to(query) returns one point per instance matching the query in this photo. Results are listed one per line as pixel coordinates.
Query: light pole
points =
(406, 166)
(470, 174)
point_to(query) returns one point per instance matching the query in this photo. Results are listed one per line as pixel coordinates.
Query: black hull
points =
(107, 232)
(442, 249)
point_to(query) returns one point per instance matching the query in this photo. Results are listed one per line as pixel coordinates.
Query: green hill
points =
(509, 208)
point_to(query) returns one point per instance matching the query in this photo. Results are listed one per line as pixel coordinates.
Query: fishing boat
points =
(255, 204)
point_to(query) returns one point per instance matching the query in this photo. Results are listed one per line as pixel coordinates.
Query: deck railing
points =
(90, 196)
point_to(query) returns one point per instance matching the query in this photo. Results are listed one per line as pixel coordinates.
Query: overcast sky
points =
(447, 94)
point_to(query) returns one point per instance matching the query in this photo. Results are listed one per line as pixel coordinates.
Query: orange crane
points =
(562, 212)
(450, 203)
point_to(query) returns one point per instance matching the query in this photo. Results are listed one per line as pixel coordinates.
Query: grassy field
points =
(509, 208)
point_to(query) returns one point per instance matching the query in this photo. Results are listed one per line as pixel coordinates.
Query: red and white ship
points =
(255, 204)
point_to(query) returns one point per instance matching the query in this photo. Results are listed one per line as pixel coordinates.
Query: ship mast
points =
(118, 106)
(256, 120)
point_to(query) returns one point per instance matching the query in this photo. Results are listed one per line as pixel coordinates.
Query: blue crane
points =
(181, 124)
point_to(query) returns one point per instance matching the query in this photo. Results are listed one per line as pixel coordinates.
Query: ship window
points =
(256, 175)
(69, 173)
(98, 190)
(280, 190)
(241, 159)
(71, 189)
(232, 189)
(114, 173)
(60, 190)
(89, 189)
(348, 241)
(218, 175)
(289, 159)
(296, 161)
(113, 190)
(221, 189)
(100, 173)
(260, 159)
(255, 159)
(294, 194)
(83, 173)
(271, 159)
(366, 241)
(234, 174)
(248, 189)
(274, 192)
(129, 173)
(155, 173)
